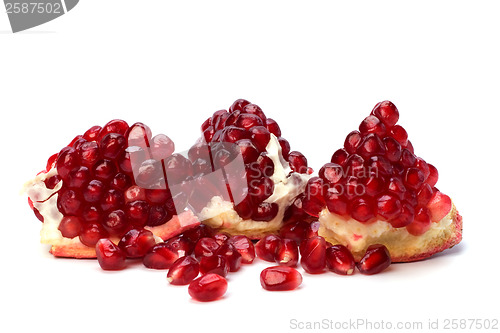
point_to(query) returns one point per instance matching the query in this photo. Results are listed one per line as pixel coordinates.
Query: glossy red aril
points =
(207, 288)
(232, 256)
(205, 247)
(295, 230)
(70, 226)
(388, 206)
(160, 257)
(313, 254)
(421, 223)
(288, 253)
(340, 260)
(387, 112)
(267, 248)
(244, 246)
(136, 243)
(91, 233)
(280, 278)
(180, 245)
(372, 125)
(109, 256)
(298, 162)
(376, 259)
(439, 206)
(214, 264)
(183, 271)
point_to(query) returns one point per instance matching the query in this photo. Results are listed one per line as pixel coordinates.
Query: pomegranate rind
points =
(403, 249)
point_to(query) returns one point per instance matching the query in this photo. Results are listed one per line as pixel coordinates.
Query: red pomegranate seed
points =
(104, 170)
(233, 257)
(409, 146)
(112, 199)
(388, 206)
(138, 135)
(115, 222)
(89, 153)
(280, 278)
(135, 193)
(362, 209)
(314, 201)
(247, 121)
(354, 165)
(70, 202)
(92, 133)
(136, 243)
(201, 231)
(94, 191)
(372, 124)
(424, 194)
(183, 271)
(335, 202)
(285, 147)
(109, 256)
(422, 166)
(380, 166)
(374, 185)
(260, 137)
(433, 175)
(267, 248)
(312, 230)
(387, 112)
(439, 206)
(352, 142)
(70, 226)
(399, 133)
(421, 223)
(137, 212)
(158, 215)
(392, 149)
(221, 237)
(67, 161)
(265, 211)
(298, 162)
(331, 173)
(161, 147)
(216, 264)
(91, 233)
(160, 257)
(205, 247)
(375, 260)
(396, 187)
(180, 245)
(295, 231)
(248, 151)
(207, 288)
(256, 110)
(232, 134)
(244, 246)
(238, 105)
(414, 178)
(157, 196)
(313, 251)
(340, 157)
(340, 260)
(406, 217)
(261, 189)
(52, 182)
(112, 145)
(120, 182)
(288, 253)
(273, 127)
(91, 214)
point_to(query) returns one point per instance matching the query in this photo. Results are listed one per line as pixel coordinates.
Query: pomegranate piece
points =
(136, 243)
(375, 260)
(280, 278)
(267, 248)
(207, 288)
(109, 256)
(214, 264)
(313, 252)
(340, 260)
(288, 253)
(160, 257)
(183, 271)
(244, 246)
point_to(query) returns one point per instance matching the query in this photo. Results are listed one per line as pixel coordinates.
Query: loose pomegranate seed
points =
(406, 217)
(280, 278)
(160, 257)
(313, 251)
(439, 206)
(295, 231)
(183, 271)
(136, 243)
(388, 206)
(387, 112)
(207, 288)
(233, 257)
(91, 233)
(205, 247)
(375, 260)
(372, 124)
(216, 264)
(352, 142)
(109, 256)
(267, 248)
(158, 215)
(298, 162)
(244, 246)
(288, 253)
(135, 193)
(340, 260)
(433, 175)
(362, 209)
(273, 127)
(399, 133)
(180, 245)
(70, 226)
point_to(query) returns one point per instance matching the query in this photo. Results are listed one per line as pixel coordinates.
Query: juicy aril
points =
(375, 190)
(107, 182)
(246, 173)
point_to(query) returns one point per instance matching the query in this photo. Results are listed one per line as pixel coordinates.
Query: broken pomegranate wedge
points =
(108, 181)
(246, 173)
(375, 190)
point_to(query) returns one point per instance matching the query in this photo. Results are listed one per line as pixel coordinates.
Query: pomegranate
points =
(248, 165)
(376, 190)
(107, 182)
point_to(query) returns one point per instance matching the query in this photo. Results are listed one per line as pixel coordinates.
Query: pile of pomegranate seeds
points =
(377, 176)
(244, 131)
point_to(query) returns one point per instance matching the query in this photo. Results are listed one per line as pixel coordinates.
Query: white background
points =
(318, 68)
